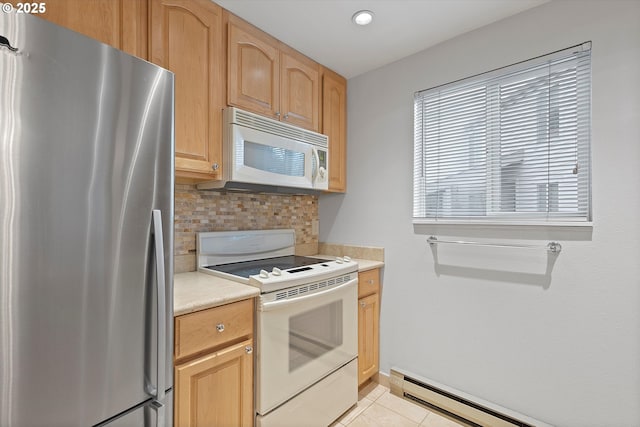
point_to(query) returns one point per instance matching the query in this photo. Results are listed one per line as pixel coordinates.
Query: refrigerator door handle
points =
(162, 304)
(160, 413)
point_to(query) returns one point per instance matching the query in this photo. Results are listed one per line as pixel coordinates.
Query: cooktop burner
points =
(250, 268)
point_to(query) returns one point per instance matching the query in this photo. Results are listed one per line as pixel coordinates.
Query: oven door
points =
(302, 339)
(263, 158)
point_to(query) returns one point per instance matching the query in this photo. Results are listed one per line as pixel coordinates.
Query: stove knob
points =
(276, 271)
(339, 260)
(264, 274)
(347, 258)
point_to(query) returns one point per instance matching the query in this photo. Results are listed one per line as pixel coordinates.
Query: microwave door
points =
(262, 158)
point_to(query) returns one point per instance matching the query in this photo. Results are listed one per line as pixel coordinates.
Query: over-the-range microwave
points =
(265, 154)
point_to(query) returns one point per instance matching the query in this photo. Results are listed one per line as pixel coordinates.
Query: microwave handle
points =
(274, 305)
(316, 164)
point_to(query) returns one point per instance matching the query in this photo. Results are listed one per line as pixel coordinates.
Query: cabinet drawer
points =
(368, 282)
(213, 327)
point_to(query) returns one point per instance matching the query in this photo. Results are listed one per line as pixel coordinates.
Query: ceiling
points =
(323, 30)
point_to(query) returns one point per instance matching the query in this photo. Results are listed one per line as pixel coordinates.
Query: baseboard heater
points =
(457, 405)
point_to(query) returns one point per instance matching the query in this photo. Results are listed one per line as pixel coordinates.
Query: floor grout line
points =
(366, 420)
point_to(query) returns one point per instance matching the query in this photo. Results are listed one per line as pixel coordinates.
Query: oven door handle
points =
(275, 305)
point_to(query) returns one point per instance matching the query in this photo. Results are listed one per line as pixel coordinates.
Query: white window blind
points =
(511, 145)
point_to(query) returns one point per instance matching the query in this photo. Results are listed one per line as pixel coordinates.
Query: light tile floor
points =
(377, 407)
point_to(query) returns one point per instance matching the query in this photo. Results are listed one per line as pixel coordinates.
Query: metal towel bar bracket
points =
(553, 247)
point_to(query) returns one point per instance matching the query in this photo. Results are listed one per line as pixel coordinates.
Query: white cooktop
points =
(265, 259)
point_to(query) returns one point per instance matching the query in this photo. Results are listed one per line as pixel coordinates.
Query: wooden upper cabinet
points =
(187, 38)
(254, 69)
(119, 23)
(300, 91)
(334, 125)
(269, 78)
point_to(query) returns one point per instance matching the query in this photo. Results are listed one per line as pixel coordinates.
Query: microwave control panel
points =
(322, 159)
(322, 166)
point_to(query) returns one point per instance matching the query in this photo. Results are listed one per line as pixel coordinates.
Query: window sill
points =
(506, 224)
(572, 231)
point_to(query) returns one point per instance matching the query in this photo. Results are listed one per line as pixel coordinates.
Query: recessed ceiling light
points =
(362, 17)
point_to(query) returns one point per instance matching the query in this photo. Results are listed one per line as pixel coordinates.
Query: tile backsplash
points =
(199, 211)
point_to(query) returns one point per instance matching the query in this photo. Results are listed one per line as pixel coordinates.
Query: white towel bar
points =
(553, 247)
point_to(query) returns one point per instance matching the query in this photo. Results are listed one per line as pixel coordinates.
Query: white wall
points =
(562, 347)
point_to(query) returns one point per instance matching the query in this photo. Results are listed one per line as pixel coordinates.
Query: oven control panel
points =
(276, 279)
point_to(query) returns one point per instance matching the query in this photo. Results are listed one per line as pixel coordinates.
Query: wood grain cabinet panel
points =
(334, 125)
(299, 94)
(269, 78)
(216, 389)
(214, 366)
(118, 23)
(368, 331)
(368, 282)
(202, 330)
(253, 69)
(187, 38)
(368, 324)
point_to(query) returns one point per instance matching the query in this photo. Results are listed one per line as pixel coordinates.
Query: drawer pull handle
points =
(220, 327)
(248, 349)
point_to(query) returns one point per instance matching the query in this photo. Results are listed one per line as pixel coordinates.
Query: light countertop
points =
(366, 264)
(195, 291)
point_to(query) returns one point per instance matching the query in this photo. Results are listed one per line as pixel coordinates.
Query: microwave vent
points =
(274, 127)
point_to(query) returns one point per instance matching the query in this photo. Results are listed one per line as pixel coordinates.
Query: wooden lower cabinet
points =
(368, 324)
(216, 389)
(213, 376)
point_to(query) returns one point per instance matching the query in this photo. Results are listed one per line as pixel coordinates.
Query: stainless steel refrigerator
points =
(86, 231)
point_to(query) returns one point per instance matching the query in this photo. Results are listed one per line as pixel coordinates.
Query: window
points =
(508, 146)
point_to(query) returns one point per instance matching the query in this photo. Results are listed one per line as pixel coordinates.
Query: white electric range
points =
(306, 323)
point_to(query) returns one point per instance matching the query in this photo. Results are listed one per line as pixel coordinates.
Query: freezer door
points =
(86, 156)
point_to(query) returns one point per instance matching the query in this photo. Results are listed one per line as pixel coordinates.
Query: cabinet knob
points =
(277, 113)
(220, 327)
(370, 281)
(248, 349)
(286, 116)
(363, 304)
(215, 166)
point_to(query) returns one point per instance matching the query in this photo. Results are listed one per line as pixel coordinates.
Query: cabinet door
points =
(368, 332)
(217, 389)
(299, 91)
(334, 125)
(119, 23)
(254, 69)
(186, 38)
